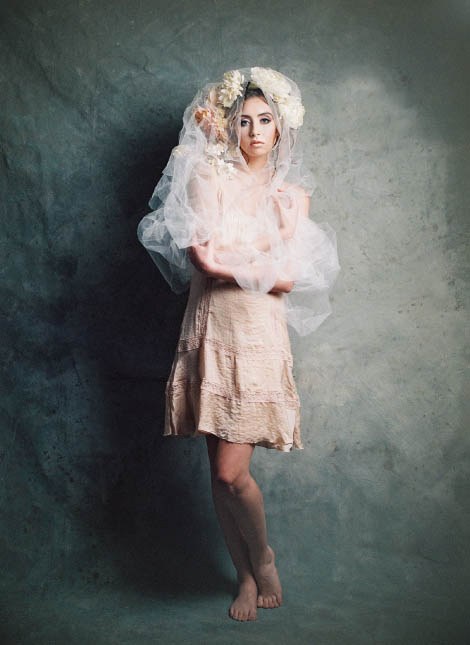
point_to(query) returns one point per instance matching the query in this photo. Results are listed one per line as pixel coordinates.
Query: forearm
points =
(202, 258)
(261, 243)
(223, 272)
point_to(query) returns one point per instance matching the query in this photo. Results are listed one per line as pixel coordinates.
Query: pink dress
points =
(232, 372)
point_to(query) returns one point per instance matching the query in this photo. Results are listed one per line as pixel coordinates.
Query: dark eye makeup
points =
(264, 120)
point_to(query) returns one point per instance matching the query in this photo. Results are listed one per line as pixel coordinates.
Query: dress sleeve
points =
(203, 203)
(311, 263)
(310, 248)
(185, 212)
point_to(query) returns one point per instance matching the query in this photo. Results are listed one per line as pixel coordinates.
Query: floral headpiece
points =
(270, 82)
(212, 117)
(223, 96)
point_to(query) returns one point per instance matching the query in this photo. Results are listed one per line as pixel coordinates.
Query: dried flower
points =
(212, 122)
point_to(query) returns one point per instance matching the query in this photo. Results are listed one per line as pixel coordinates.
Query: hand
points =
(202, 256)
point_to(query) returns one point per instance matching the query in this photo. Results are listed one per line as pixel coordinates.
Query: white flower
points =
(271, 82)
(231, 87)
(180, 151)
(292, 111)
(215, 149)
(222, 167)
(230, 170)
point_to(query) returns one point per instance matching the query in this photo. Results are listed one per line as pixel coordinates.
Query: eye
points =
(265, 120)
(244, 122)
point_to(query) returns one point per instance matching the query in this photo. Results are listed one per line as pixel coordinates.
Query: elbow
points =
(289, 286)
(196, 259)
(283, 286)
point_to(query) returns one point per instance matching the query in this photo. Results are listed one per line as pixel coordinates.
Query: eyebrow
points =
(260, 114)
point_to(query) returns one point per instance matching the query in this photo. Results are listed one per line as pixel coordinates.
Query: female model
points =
(232, 221)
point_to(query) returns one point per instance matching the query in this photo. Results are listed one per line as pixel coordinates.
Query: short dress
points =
(232, 372)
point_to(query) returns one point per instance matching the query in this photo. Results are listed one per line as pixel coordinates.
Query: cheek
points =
(243, 139)
(274, 135)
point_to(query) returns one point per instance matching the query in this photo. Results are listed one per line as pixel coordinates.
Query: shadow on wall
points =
(156, 518)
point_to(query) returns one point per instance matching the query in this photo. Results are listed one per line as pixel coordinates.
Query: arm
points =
(286, 226)
(202, 256)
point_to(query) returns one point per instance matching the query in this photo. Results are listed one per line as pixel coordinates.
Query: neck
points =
(256, 163)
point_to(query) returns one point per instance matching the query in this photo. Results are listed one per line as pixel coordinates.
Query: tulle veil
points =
(259, 221)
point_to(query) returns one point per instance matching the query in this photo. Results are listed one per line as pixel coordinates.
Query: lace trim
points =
(195, 342)
(255, 396)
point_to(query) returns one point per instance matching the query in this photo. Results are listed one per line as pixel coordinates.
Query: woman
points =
(231, 219)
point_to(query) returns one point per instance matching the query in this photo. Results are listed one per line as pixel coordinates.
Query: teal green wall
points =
(107, 531)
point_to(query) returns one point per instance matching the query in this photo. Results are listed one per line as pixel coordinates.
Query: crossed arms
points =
(203, 257)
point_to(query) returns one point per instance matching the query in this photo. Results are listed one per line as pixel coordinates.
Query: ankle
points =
(244, 577)
(263, 558)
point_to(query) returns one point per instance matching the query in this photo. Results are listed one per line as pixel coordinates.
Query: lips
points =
(255, 143)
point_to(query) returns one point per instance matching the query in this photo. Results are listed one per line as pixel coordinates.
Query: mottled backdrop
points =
(107, 531)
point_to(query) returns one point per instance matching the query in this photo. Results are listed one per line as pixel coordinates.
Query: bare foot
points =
(269, 585)
(244, 605)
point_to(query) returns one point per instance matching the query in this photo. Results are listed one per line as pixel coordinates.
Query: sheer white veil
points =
(258, 220)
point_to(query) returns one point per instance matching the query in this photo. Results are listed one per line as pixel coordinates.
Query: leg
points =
(244, 606)
(243, 498)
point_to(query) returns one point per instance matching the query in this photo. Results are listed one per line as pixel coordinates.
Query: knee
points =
(232, 480)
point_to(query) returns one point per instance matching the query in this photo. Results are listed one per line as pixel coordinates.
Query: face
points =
(258, 132)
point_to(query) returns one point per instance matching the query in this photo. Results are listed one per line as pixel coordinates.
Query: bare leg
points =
(244, 606)
(242, 496)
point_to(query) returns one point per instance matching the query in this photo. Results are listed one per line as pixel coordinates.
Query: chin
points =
(255, 154)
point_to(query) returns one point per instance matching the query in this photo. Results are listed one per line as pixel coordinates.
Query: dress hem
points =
(289, 447)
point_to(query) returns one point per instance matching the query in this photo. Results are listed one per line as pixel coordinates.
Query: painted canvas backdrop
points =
(108, 532)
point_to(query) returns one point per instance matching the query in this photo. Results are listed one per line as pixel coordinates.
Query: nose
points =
(254, 130)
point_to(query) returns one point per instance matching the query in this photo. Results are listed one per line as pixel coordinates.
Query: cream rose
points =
(292, 111)
(270, 81)
(231, 88)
